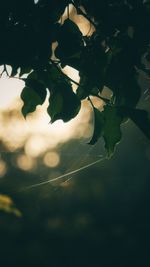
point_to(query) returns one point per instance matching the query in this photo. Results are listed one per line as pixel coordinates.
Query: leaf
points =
(69, 41)
(14, 71)
(63, 103)
(31, 98)
(7, 205)
(112, 132)
(141, 118)
(98, 126)
(86, 88)
(55, 107)
(24, 70)
(33, 94)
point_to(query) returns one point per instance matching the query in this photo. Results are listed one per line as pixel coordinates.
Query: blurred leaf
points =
(7, 205)
(98, 126)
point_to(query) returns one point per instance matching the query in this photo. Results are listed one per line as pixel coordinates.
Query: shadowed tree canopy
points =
(110, 57)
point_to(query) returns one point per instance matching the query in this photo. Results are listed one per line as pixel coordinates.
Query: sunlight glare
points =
(10, 88)
(35, 146)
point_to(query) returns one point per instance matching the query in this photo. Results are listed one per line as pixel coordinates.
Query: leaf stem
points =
(106, 100)
(56, 66)
(5, 69)
(89, 99)
(68, 13)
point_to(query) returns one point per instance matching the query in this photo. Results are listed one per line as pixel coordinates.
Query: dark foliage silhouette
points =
(110, 57)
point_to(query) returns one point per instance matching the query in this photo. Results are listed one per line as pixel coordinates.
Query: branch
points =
(106, 100)
(89, 99)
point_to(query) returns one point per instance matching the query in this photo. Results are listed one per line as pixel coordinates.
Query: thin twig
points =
(89, 99)
(106, 100)
(5, 69)
(56, 66)
(89, 29)
(68, 13)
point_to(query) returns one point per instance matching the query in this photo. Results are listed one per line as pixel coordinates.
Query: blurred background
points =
(99, 216)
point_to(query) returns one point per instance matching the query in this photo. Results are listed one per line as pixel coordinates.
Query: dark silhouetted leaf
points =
(98, 126)
(109, 57)
(31, 98)
(141, 118)
(25, 70)
(112, 132)
(14, 71)
(63, 103)
(56, 106)
(69, 41)
(86, 88)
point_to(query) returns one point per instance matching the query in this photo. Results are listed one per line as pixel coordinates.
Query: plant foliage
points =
(109, 57)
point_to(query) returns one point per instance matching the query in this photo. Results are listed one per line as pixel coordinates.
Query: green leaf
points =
(69, 41)
(98, 126)
(112, 132)
(24, 70)
(55, 106)
(142, 119)
(31, 99)
(14, 71)
(63, 103)
(33, 94)
(86, 88)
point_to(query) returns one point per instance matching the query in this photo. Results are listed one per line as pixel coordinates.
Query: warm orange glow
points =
(35, 146)
(84, 25)
(51, 159)
(36, 134)
(3, 168)
(25, 162)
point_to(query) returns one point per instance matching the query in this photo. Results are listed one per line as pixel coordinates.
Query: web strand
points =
(63, 175)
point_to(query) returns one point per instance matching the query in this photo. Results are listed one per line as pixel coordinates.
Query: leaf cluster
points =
(109, 57)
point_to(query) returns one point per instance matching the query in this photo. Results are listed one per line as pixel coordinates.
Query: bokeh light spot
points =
(35, 145)
(3, 168)
(25, 162)
(51, 159)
